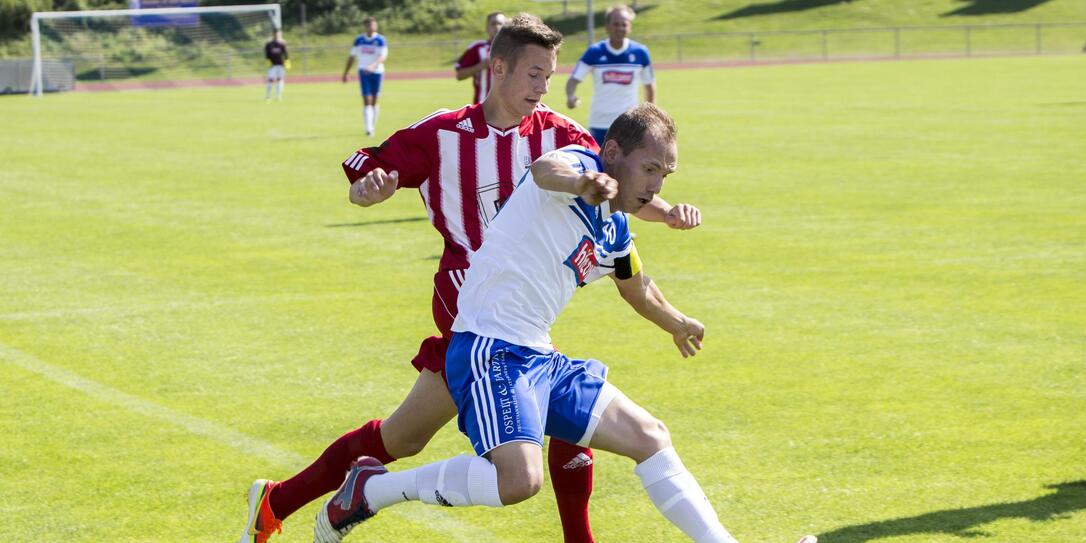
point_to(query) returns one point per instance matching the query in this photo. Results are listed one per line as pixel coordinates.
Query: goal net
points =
(150, 45)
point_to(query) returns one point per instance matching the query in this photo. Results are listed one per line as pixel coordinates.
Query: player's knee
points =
(653, 436)
(520, 483)
(405, 446)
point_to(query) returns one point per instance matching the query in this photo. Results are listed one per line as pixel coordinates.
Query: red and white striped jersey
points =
(464, 168)
(477, 52)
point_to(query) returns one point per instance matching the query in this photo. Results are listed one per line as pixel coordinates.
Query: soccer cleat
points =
(808, 539)
(347, 508)
(262, 521)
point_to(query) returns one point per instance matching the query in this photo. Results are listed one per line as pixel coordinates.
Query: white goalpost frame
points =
(36, 86)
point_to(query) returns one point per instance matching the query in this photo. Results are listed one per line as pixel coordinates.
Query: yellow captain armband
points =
(286, 64)
(628, 266)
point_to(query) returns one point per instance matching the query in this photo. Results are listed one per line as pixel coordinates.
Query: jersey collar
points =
(625, 46)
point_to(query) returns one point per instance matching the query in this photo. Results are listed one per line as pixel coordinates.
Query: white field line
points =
(431, 518)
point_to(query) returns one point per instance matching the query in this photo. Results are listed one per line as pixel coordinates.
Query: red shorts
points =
(431, 354)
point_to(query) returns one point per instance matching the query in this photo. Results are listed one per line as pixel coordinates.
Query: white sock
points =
(458, 481)
(367, 114)
(376, 110)
(678, 496)
(267, 90)
(279, 90)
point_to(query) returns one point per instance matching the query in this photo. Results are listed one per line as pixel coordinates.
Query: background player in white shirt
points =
(564, 225)
(370, 51)
(619, 67)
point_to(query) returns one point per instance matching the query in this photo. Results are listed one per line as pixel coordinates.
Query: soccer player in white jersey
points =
(464, 164)
(619, 67)
(564, 226)
(370, 50)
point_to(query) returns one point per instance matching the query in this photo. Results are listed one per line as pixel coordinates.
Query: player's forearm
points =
(571, 87)
(347, 68)
(649, 302)
(654, 211)
(555, 175)
(650, 93)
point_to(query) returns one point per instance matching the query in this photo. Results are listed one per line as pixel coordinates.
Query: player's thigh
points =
(422, 413)
(628, 429)
(520, 470)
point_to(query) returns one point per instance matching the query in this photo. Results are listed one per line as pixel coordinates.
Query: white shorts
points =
(277, 72)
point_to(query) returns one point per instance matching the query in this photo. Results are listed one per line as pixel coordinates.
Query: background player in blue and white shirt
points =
(565, 225)
(619, 67)
(370, 51)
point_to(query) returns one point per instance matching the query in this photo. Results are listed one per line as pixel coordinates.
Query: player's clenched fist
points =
(596, 187)
(689, 337)
(683, 217)
(376, 187)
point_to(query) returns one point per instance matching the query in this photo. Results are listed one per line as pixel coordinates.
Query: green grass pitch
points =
(892, 271)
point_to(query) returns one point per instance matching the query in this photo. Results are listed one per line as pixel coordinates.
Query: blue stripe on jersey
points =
(580, 215)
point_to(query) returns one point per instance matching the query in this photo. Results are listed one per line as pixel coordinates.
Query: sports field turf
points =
(892, 272)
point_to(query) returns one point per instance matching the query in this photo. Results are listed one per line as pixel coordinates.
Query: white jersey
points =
(367, 50)
(540, 247)
(618, 75)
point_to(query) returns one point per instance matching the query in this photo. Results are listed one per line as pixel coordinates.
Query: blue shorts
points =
(370, 83)
(598, 134)
(505, 393)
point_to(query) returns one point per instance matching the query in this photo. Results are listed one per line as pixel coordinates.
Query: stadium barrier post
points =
(897, 42)
(36, 75)
(1037, 38)
(825, 46)
(679, 47)
(968, 41)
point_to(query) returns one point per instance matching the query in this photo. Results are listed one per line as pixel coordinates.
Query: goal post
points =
(126, 43)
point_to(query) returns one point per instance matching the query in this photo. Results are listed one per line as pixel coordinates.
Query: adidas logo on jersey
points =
(465, 125)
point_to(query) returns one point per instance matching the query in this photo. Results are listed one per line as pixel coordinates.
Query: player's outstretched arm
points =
(556, 175)
(646, 298)
(375, 187)
(679, 216)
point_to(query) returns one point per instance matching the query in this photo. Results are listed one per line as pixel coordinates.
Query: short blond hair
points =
(619, 8)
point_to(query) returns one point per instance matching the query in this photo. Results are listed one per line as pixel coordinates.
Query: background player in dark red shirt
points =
(475, 62)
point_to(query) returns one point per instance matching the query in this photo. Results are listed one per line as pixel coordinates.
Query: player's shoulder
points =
(582, 157)
(477, 44)
(640, 50)
(360, 39)
(596, 53)
(379, 39)
(550, 118)
(443, 118)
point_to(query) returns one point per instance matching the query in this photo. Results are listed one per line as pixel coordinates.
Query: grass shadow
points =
(374, 223)
(1067, 498)
(572, 23)
(990, 7)
(782, 6)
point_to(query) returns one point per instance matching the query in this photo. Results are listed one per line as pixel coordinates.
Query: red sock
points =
(326, 473)
(571, 477)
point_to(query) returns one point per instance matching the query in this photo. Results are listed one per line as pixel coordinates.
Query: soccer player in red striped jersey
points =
(475, 62)
(464, 163)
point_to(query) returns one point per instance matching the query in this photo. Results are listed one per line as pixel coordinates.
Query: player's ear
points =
(611, 151)
(497, 67)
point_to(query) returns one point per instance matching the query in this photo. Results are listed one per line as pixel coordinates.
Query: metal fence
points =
(821, 44)
(728, 47)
